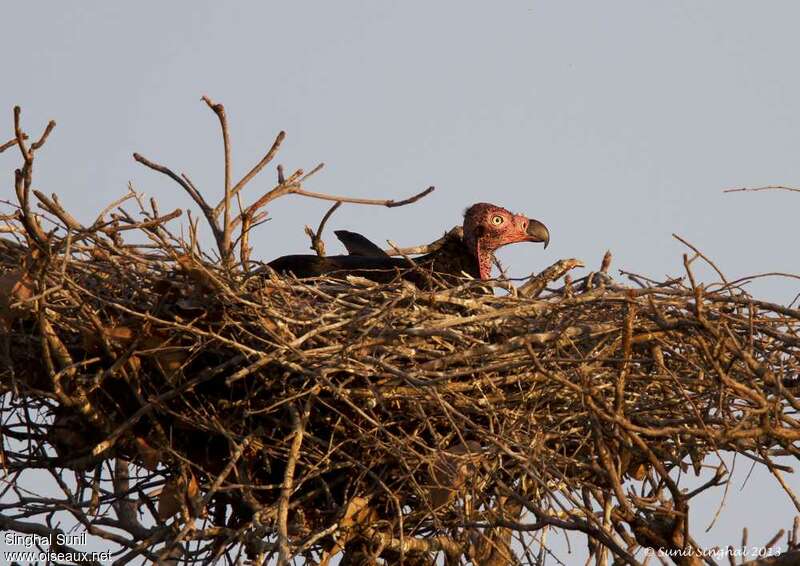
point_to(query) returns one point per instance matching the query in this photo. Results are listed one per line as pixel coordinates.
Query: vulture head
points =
(488, 227)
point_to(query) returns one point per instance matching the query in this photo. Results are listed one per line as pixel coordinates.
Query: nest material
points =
(307, 418)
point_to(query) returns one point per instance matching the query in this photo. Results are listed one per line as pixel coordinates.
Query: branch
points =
(289, 187)
(54, 207)
(226, 252)
(146, 224)
(46, 134)
(284, 552)
(316, 237)
(254, 171)
(758, 189)
(11, 143)
(389, 203)
(23, 179)
(192, 191)
(534, 286)
(125, 507)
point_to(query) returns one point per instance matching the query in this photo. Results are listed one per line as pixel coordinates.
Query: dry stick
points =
(311, 173)
(254, 171)
(22, 178)
(606, 263)
(130, 194)
(20, 136)
(28, 219)
(778, 476)
(536, 284)
(766, 188)
(227, 252)
(11, 143)
(627, 337)
(189, 188)
(284, 552)
(27, 153)
(146, 223)
(749, 278)
(54, 207)
(316, 237)
(192, 191)
(244, 241)
(705, 258)
(124, 507)
(47, 131)
(389, 203)
(237, 453)
(290, 188)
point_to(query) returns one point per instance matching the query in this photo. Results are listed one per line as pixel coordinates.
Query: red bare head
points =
(488, 227)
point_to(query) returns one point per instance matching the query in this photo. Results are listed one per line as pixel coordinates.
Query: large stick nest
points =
(290, 417)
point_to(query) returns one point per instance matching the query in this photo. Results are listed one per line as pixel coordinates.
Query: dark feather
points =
(381, 269)
(359, 245)
(451, 259)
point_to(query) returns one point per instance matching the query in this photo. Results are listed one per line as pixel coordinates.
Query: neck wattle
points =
(484, 258)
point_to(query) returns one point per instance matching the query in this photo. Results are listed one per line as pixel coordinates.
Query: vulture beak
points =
(538, 232)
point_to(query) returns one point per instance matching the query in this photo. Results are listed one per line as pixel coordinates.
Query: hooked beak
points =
(538, 232)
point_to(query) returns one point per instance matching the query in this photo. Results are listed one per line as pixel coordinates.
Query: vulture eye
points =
(497, 220)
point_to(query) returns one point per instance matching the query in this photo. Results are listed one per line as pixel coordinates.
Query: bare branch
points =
(284, 552)
(227, 248)
(766, 188)
(276, 145)
(316, 237)
(11, 143)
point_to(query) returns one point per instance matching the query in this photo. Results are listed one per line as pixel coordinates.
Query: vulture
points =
(486, 228)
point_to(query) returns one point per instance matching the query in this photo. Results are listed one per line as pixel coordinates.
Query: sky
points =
(615, 123)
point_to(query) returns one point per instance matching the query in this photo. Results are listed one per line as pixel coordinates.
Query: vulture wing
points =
(358, 245)
(379, 269)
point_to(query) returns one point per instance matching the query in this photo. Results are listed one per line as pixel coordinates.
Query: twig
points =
(254, 171)
(538, 283)
(766, 188)
(146, 224)
(192, 191)
(284, 552)
(11, 143)
(288, 187)
(316, 237)
(702, 255)
(226, 251)
(389, 203)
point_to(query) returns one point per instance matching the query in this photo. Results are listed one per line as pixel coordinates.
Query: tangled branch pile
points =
(212, 410)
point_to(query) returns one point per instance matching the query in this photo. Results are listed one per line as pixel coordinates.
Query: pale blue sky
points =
(616, 123)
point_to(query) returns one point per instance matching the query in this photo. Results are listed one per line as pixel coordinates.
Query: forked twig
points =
(226, 251)
(316, 237)
(255, 170)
